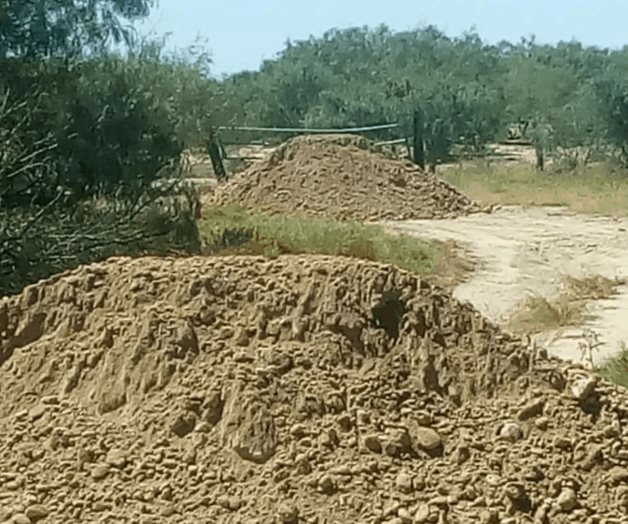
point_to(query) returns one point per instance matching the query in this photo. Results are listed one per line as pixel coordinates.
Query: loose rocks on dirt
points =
(294, 390)
(342, 177)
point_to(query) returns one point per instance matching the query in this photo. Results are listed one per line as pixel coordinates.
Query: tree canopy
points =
(470, 92)
(36, 28)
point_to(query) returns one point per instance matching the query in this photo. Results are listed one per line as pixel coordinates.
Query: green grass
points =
(233, 230)
(616, 369)
(593, 190)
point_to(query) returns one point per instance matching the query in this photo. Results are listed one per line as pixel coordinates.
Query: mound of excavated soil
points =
(341, 177)
(298, 390)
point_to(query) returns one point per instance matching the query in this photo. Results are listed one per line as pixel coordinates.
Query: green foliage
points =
(85, 147)
(233, 230)
(616, 368)
(569, 99)
(117, 135)
(44, 28)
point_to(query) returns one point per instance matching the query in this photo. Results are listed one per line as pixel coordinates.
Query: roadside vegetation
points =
(595, 189)
(568, 308)
(236, 231)
(616, 368)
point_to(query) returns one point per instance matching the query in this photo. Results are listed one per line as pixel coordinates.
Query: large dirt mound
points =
(342, 177)
(298, 390)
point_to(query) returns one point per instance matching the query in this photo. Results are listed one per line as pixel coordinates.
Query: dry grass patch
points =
(568, 308)
(232, 230)
(591, 190)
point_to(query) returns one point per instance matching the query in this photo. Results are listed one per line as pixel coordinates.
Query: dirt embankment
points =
(297, 390)
(341, 177)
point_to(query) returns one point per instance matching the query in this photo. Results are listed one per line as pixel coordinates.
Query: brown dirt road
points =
(531, 251)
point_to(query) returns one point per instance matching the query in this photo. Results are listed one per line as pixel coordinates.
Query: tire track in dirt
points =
(530, 251)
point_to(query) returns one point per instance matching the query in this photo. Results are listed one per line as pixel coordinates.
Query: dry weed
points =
(593, 190)
(568, 308)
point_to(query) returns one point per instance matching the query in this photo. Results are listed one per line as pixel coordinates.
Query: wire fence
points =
(301, 130)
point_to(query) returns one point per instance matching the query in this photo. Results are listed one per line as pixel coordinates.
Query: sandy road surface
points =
(530, 251)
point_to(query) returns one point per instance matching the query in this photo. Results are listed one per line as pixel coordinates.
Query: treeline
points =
(570, 101)
(90, 140)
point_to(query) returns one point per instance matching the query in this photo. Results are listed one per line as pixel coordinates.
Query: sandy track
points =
(530, 251)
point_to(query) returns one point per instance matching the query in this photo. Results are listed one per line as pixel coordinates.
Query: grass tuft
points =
(615, 369)
(569, 308)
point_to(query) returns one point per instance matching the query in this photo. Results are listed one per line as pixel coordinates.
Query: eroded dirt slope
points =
(296, 390)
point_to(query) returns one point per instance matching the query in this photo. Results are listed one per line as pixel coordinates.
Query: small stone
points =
(489, 516)
(531, 410)
(36, 512)
(302, 463)
(20, 518)
(50, 400)
(401, 439)
(583, 388)
(203, 427)
(100, 506)
(183, 424)
(567, 500)
(168, 511)
(327, 485)
(189, 457)
(493, 480)
(563, 443)
(534, 474)
(461, 455)
(116, 458)
(405, 516)
(38, 454)
(373, 443)
(403, 482)
(619, 475)
(542, 423)
(422, 514)
(427, 439)
(595, 457)
(100, 471)
(299, 431)
(511, 432)
(288, 514)
(37, 412)
(611, 431)
(418, 483)
(235, 503)
(345, 423)
(223, 501)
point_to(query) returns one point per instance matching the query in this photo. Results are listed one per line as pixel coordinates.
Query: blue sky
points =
(241, 33)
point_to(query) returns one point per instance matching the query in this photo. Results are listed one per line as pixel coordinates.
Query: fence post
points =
(418, 143)
(214, 154)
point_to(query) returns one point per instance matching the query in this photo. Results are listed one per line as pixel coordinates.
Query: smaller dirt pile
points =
(342, 177)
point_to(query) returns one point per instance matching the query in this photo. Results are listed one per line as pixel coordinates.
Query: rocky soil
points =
(341, 177)
(295, 390)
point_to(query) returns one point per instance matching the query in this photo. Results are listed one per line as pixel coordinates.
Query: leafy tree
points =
(36, 28)
(85, 136)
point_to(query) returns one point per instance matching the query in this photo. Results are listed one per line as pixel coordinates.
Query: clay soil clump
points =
(294, 390)
(342, 177)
